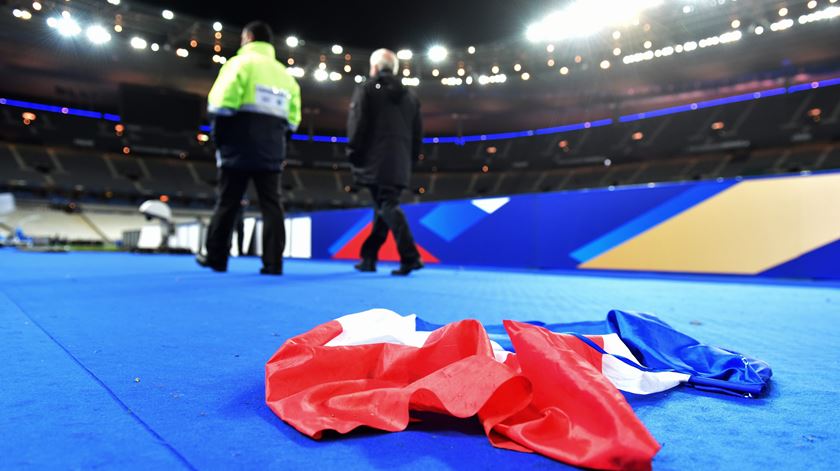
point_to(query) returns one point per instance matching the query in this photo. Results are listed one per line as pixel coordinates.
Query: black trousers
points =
(232, 186)
(239, 228)
(389, 216)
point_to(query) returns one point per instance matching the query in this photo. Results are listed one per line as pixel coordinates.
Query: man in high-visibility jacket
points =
(254, 103)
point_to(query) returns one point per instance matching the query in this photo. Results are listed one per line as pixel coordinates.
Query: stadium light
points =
(725, 38)
(321, 75)
(155, 47)
(824, 14)
(781, 25)
(292, 41)
(97, 34)
(37, 6)
(359, 79)
(114, 2)
(492, 79)
(438, 53)
(405, 54)
(411, 81)
(217, 26)
(471, 50)
(22, 14)
(167, 14)
(337, 49)
(585, 17)
(335, 76)
(67, 26)
(181, 52)
(138, 43)
(296, 72)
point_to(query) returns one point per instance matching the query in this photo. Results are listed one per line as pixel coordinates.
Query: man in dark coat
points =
(385, 133)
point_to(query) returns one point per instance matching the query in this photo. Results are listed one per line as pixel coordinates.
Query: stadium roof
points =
(376, 24)
(512, 81)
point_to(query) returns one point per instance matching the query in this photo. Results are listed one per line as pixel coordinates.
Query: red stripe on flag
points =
(577, 416)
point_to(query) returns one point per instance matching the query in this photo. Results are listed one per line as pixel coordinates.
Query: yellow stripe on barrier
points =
(747, 229)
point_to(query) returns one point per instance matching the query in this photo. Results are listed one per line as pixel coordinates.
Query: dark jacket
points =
(250, 141)
(254, 101)
(385, 132)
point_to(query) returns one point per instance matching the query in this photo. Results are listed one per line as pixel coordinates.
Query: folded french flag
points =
(550, 389)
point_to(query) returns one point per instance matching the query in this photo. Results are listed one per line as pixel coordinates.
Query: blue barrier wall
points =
(778, 226)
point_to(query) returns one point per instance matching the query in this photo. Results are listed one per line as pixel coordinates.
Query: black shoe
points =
(271, 271)
(408, 267)
(202, 260)
(366, 265)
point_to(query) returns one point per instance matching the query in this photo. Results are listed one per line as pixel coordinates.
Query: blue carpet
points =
(138, 361)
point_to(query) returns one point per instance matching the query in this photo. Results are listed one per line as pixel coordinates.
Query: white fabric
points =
(385, 326)
(628, 378)
(378, 326)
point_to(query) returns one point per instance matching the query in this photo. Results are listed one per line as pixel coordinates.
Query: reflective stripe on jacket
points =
(255, 101)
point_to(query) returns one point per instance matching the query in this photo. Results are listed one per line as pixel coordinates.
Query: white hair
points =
(385, 59)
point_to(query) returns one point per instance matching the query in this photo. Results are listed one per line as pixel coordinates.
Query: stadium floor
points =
(147, 362)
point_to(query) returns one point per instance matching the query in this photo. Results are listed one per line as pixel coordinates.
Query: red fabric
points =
(546, 399)
(576, 415)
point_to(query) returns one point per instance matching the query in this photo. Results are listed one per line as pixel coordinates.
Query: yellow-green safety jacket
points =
(254, 103)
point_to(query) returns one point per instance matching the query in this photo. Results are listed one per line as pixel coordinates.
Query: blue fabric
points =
(660, 347)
